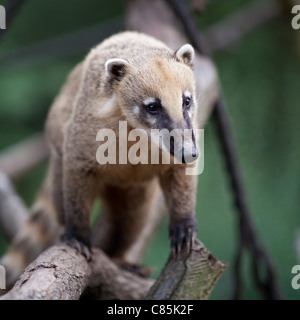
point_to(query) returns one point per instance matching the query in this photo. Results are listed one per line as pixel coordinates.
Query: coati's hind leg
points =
(129, 218)
(39, 231)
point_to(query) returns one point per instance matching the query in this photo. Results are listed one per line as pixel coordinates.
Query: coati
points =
(128, 77)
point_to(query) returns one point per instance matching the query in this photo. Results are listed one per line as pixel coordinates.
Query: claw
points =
(180, 239)
(182, 236)
(193, 239)
(189, 240)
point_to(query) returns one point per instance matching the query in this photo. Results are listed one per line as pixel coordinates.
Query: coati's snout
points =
(188, 155)
(186, 150)
(182, 140)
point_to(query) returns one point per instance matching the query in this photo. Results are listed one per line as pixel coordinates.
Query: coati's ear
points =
(116, 68)
(185, 54)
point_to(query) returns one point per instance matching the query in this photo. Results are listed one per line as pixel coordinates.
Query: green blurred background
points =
(260, 78)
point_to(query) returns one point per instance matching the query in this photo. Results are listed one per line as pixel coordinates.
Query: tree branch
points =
(62, 273)
(13, 211)
(190, 277)
(23, 156)
(232, 29)
(58, 273)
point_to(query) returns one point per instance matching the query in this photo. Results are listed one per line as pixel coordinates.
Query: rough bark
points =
(61, 273)
(58, 273)
(189, 277)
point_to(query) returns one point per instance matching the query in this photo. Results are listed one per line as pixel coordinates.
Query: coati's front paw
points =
(83, 247)
(182, 235)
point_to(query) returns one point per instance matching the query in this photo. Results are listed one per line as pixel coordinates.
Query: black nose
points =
(190, 155)
(195, 152)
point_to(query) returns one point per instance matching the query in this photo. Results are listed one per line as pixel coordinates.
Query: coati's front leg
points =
(180, 193)
(78, 200)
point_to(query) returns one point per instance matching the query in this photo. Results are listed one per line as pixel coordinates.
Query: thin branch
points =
(248, 235)
(61, 46)
(189, 25)
(13, 211)
(21, 157)
(234, 28)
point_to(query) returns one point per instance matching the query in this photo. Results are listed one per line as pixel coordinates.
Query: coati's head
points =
(157, 91)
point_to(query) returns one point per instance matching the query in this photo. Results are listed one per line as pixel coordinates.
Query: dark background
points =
(260, 80)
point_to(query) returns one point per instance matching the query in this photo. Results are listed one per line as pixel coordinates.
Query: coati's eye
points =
(152, 108)
(152, 105)
(187, 101)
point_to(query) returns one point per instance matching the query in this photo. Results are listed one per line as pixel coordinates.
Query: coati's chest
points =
(129, 174)
(126, 162)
